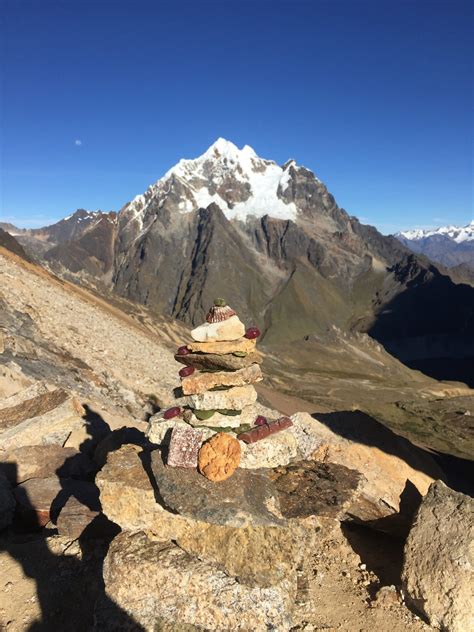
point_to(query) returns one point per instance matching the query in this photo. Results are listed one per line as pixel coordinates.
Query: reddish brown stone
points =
(261, 432)
(184, 447)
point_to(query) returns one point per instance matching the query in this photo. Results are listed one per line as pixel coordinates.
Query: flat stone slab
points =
(40, 500)
(219, 362)
(43, 461)
(247, 497)
(310, 488)
(201, 382)
(235, 398)
(220, 348)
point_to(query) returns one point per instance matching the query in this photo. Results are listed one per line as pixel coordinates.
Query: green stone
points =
(220, 302)
(239, 430)
(202, 415)
(240, 354)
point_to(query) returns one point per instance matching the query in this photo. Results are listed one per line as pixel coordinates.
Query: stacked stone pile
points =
(218, 398)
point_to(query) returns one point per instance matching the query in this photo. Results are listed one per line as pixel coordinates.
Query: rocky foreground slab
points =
(438, 570)
(236, 527)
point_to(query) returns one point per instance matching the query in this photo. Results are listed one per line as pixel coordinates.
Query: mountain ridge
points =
(275, 243)
(449, 246)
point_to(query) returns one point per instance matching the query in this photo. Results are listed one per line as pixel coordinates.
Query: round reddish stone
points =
(187, 370)
(172, 412)
(261, 420)
(183, 350)
(252, 332)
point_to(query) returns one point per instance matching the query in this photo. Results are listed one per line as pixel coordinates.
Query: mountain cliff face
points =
(234, 223)
(273, 241)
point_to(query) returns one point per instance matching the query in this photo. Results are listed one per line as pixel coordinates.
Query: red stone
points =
(261, 420)
(186, 371)
(261, 432)
(172, 412)
(183, 350)
(252, 332)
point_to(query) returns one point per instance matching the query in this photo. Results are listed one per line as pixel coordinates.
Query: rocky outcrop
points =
(156, 583)
(236, 525)
(397, 473)
(248, 497)
(47, 418)
(310, 488)
(438, 569)
(43, 461)
(40, 500)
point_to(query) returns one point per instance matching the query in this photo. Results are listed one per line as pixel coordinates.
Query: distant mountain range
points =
(458, 234)
(450, 246)
(272, 240)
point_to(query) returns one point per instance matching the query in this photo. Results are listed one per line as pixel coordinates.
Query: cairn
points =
(217, 411)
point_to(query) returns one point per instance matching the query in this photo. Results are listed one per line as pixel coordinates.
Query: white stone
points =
(230, 329)
(236, 398)
(277, 449)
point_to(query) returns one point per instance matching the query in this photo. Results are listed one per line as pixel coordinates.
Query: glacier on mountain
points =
(221, 173)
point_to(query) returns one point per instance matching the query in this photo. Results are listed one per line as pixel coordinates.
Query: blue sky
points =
(100, 98)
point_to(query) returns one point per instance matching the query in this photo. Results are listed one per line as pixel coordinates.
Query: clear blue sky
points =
(100, 98)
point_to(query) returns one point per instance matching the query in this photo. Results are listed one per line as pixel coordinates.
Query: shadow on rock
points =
(68, 572)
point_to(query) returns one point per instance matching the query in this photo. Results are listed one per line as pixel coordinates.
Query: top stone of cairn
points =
(222, 324)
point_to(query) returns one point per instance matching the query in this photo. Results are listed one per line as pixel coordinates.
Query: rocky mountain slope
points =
(300, 263)
(8, 242)
(81, 244)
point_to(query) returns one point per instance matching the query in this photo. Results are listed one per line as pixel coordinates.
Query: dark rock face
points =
(312, 488)
(39, 500)
(244, 498)
(181, 263)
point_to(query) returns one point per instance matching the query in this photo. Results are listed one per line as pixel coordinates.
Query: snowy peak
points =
(459, 234)
(240, 182)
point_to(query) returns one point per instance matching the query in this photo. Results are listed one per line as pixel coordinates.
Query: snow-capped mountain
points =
(237, 180)
(459, 234)
(451, 246)
(272, 240)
